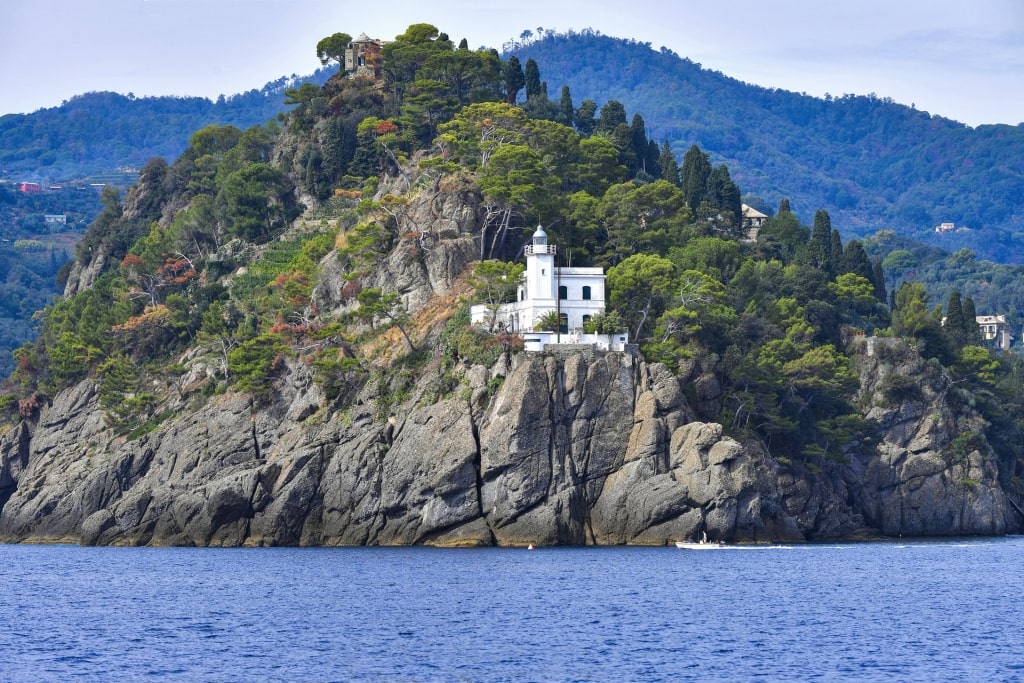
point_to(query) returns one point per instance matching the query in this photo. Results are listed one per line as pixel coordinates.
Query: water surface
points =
(861, 612)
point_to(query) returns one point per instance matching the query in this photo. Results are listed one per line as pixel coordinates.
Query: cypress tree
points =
(652, 162)
(584, 120)
(638, 140)
(819, 249)
(565, 108)
(532, 79)
(954, 325)
(695, 173)
(784, 205)
(835, 252)
(878, 279)
(514, 79)
(972, 333)
(612, 115)
(855, 260)
(669, 165)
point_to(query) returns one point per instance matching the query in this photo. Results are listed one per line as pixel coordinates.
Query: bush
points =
(900, 388)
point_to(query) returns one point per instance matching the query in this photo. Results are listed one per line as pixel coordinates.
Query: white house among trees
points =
(575, 295)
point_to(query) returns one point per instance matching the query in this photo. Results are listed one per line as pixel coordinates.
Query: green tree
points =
(514, 79)
(377, 306)
(669, 165)
(495, 283)
(332, 48)
(955, 323)
(695, 174)
(640, 287)
(972, 332)
(819, 250)
(566, 111)
(531, 79)
(255, 202)
(584, 119)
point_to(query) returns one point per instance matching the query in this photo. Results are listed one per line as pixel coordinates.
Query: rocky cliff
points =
(574, 448)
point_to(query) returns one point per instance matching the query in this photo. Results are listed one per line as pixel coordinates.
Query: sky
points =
(961, 59)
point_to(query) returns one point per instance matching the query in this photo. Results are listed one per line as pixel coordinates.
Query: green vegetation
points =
(206, 266)
(870, 162)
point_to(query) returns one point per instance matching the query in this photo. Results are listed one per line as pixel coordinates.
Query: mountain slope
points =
(98, 132)
(870, 162)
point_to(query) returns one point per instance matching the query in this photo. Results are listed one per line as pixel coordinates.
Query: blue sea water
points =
(908, 611)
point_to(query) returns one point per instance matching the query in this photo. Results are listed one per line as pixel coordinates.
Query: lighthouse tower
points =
(540, 281)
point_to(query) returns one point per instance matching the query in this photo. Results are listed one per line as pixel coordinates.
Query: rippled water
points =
(861, 612)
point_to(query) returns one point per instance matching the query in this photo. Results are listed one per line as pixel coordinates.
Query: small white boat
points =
(700, 545)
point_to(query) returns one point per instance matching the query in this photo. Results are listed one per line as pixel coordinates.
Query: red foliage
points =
(176, 270)
(132, 262)
(350, 290)
(28, 406)
(385, 127)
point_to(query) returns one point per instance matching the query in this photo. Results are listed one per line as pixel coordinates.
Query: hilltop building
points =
(576, 294)
(363, 57)
(753, 221)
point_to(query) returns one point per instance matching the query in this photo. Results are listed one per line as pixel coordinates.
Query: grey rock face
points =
(599, 449)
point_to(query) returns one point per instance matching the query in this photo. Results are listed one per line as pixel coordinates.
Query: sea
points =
(946, 610)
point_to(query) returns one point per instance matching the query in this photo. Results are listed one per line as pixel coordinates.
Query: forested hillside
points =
(278, 321)
(872, 163)
(99, 132)
(763, 318)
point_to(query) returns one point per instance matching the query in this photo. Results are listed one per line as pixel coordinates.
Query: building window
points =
(586, 292)
(586, 322)
(563, 292)
(563, 323)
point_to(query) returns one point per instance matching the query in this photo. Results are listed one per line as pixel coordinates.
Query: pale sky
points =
(962, 59)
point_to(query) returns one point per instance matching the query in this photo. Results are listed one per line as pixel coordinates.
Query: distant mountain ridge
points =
(872, 163)
(98, 132)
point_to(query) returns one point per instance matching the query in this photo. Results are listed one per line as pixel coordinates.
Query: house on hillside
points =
(575, 294)
(363, 57)
(753, 221)
(995, 331)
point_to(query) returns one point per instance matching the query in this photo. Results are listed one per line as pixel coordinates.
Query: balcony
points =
(531, 249)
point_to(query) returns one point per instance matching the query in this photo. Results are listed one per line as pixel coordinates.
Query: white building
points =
(995, 331)
(575, 294)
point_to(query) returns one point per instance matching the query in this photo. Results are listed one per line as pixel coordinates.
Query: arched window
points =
(586, 292)
(586, 321)
(563, 323)
(563, 292)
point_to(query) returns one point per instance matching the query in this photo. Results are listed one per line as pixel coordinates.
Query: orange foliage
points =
(385, 127)
(150, 315)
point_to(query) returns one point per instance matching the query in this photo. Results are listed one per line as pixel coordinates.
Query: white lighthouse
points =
(576, 294)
